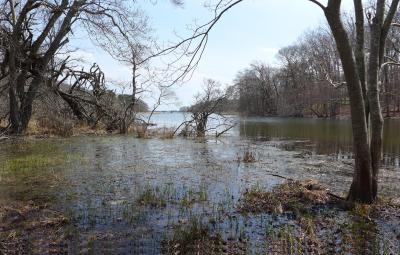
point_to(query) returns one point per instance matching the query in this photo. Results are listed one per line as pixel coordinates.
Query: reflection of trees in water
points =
(330, 137)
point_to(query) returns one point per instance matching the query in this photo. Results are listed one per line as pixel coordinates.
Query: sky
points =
(252, 31)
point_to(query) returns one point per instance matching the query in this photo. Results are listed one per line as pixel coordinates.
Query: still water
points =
(124, 195)
(331, 137)
(325, 136)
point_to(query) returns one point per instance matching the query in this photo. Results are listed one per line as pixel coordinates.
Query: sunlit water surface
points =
(99, 181)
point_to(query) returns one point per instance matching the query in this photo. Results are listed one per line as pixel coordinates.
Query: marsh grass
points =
(249, 157)
(152, 197)
(39, 157)
(318, 223)
(290, 239)
(191, 197)
(32, 162)
(33, 171)
(161, 196)
(195, 237)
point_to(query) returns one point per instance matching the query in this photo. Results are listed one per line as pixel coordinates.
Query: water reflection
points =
(106, 185)
(323, 136)
(320, 136)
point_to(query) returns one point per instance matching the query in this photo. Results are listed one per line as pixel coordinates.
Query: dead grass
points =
(142, 132)
(33, 226)
(45, 127)
(146, 133)
(249, 157)
(52, 126)
(167, 133)
(321, 224)
(300, 239)
(49, 127)
(55, 127)
(196, 239)
(295, 196)
(3, 124)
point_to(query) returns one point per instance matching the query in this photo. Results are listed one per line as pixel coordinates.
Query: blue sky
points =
(252, 31)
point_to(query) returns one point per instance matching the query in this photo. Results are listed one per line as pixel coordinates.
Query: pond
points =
(325, 136)
(123, 195)
(331, 137)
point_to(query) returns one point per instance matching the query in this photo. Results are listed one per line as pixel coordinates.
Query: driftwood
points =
(2, 138)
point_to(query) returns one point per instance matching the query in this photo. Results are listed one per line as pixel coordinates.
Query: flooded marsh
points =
(124, 195)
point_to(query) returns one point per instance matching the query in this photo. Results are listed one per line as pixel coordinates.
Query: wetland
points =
(117, 194)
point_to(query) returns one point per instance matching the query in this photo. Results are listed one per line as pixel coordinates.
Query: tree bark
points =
(21, 101)
(373, 93)
(361, 187)
(359, 51)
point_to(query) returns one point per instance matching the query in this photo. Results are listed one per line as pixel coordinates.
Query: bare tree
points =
(363, 87)
(363, 83)
(258, 90)
(208, 106)
(33, 33)
(127, 39)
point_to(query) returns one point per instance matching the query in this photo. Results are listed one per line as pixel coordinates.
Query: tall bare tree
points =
(33, 33)
(362, 76)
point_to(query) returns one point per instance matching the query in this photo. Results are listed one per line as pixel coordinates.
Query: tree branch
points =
(318, 3)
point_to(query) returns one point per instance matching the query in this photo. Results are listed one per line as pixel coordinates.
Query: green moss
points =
(32, 162)
(30, 170)
(35, 156)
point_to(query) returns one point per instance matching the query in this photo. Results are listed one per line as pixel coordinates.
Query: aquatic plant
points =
(151, 197)
(195, 237)
(249, 157)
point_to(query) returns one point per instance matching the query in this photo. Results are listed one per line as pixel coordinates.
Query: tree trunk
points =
(361, 187)
(15, 117)
(373, 93)
(201, 124)
(20, 100)
(359, 52)
(76, 108)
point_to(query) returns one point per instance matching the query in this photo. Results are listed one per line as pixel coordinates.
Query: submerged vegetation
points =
(195, 184)
(85, 194)
(195, 238)
(322, 223)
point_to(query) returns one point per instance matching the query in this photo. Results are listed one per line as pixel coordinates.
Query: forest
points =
(308, 81)
(297, 154)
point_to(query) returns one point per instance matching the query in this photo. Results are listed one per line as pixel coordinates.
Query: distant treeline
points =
(307, 82)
